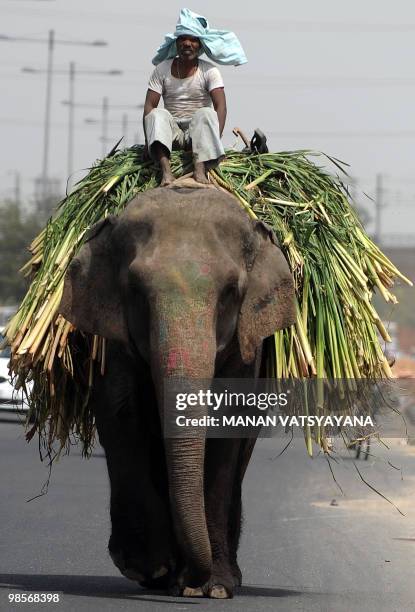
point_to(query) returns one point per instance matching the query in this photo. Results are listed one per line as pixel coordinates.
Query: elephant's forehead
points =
(167, 205)
(185, 228)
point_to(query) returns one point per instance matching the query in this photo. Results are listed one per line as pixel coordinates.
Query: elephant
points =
(183, 283)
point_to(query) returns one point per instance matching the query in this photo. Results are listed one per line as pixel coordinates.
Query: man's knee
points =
(158, 114)
(205, 114)
(158, 126)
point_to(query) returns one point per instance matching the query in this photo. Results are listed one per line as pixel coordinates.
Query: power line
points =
(285, 134)
(281, 82)
(344, 134)
(30, 123)
(118, 106)
(141, 19)
(33, 39)
(250, 77)
(334, 27)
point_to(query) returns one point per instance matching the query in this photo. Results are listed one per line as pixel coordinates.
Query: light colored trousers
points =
(201, 133)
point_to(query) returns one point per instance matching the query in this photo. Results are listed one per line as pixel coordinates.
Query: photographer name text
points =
(262, 420)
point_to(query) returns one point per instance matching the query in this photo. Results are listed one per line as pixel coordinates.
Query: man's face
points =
(188, 47)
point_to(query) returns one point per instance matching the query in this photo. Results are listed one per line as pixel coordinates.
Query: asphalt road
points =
(298, 552)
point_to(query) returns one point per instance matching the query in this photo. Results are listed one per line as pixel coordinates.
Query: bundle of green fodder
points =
(335, 265)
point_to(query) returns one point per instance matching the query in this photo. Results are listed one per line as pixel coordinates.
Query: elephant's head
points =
(182, 275)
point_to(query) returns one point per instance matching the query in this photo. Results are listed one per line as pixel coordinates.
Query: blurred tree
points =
(16, 233)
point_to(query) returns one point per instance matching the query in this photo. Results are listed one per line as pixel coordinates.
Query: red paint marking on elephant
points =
(204, 269)
(177, 359)
(172, 360)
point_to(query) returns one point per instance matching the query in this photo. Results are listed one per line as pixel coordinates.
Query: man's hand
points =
(219, 104)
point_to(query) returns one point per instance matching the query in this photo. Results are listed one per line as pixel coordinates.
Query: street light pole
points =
(46, 138)
(104, 120)
(71, 117)
(125, 128)
(71, 103)
(378, 208)
(104, 125)
(17, 188)
(51, 44)
(104, 138)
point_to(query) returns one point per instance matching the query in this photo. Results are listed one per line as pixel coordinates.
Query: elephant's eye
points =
(136, 280)
(129, 237)
(142, 231)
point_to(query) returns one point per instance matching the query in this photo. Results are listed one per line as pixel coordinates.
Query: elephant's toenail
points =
(190, 592)
(218, 592)
(160, 572)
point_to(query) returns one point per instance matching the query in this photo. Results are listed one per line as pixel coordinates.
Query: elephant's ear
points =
(269, 303)
(91, 297)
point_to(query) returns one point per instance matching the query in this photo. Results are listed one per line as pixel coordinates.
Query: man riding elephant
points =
(194, 112)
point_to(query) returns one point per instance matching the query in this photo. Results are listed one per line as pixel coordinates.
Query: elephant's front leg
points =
(223, 513)
(141, 542)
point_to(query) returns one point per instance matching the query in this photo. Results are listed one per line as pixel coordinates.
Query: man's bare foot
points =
(199, 173)
(162, 155)
(167, 178)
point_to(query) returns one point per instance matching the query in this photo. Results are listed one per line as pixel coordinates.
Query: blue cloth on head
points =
(222, 46)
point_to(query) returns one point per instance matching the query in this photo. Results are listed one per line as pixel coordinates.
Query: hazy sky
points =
(325, 75)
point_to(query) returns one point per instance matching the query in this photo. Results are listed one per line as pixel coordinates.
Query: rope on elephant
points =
(335, 265)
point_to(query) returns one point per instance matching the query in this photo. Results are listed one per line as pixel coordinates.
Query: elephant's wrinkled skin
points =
(182, 284)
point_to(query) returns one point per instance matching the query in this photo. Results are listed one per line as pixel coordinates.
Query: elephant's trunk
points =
(181, 352)
(185, 459)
